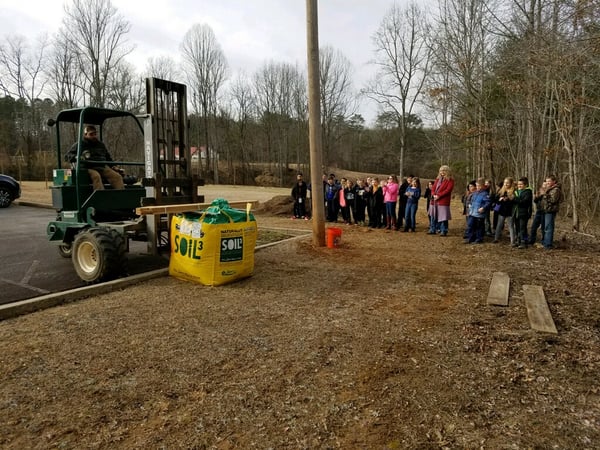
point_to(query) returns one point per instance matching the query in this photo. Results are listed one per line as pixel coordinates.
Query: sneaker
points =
(293, 217)
(522, 246)
(538, 245)
(305, 217)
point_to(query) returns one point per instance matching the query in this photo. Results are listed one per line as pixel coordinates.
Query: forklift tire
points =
(121, 246)
(96, 255)
(65, 250)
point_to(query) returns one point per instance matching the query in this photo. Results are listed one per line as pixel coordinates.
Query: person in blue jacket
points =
(412, 195)
(480, 204)
(332, 204)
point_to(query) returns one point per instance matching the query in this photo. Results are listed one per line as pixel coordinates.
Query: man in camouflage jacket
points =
(550, 203)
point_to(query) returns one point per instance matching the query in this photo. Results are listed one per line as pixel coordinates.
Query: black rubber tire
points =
(65, 250)
(121, 246)
(5, 197)
(96, 255)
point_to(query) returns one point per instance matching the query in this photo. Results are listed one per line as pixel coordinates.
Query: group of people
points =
(392, 204)
(388, 203)
(512, 205)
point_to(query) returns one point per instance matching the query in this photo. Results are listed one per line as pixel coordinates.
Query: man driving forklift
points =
(94, 150)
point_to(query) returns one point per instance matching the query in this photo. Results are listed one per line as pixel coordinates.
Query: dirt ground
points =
(383, 343)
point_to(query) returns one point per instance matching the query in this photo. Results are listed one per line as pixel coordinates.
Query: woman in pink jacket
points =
(439, 209)
(390, 198)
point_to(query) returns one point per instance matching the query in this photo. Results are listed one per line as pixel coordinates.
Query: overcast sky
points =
(250, 32)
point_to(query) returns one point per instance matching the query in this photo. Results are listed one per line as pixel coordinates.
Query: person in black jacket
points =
(377, 207)
(504, 204)
(523, 204)
(406, 182)
(361, 197)
(94, 150)
(299, 194)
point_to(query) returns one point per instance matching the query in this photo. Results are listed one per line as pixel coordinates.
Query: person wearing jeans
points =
(538, 217)
(505, 203)
(478, 206)
(390, 198)
(412, 194)
(550, 203)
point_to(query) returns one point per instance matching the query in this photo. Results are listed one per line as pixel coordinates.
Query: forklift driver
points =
(95, 150)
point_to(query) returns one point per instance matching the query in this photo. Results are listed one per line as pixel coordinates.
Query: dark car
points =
(9, 190)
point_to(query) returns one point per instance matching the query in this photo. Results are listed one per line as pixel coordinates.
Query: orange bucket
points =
(334, 237)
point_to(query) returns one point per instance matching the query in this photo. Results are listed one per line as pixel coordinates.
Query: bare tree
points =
(243, 107)
(21, 76)
(276, 90)
(64, 76)
(21, 67)
(96, 34)
(125, 89)
(403, 58)
(337, 97)
(163, 67)
(300, 116)
(206, 68)
(462, 43)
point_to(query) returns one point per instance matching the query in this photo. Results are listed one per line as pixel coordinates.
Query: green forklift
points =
(94, 227)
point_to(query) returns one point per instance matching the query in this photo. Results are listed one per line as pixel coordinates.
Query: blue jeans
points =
(509, 225)
(548, 229)
(390, 213)
(443, 225)
(475, 229)
(410, 216)
(538, 222)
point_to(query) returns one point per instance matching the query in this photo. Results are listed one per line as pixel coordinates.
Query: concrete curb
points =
(29, 305)
(33, 204)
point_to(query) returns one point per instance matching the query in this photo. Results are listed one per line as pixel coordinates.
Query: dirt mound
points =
(280, 205)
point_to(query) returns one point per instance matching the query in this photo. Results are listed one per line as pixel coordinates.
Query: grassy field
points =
(39, 192)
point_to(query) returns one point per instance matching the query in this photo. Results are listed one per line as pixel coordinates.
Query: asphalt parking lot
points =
(31, 266)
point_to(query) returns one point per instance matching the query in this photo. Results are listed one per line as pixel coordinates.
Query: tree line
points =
(493, 88)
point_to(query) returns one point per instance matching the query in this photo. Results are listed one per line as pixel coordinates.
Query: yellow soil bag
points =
(213, 247)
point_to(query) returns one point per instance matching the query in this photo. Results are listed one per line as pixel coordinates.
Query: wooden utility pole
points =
(314, 123)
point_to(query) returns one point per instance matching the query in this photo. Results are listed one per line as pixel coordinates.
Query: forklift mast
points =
(168, 170)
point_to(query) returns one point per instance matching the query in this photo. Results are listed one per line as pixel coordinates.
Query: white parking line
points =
(26, 286)
(29, 273)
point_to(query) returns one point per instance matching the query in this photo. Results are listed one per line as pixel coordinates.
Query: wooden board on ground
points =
(498, 293)
(186, 207)
(538, 312)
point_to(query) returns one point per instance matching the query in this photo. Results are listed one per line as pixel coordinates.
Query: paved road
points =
(30, 266)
